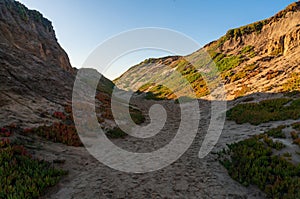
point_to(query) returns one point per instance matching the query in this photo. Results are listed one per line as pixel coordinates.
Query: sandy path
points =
(188, 177)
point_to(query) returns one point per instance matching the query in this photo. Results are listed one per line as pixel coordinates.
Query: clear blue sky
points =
(81, 25)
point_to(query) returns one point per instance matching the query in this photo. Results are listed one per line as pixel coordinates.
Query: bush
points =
(247, 49)
(274, 145)
(287, 155)
(277, 132)
(116, 133)
(137, 116)
(244, 30)
(228, 62)
(296, 126)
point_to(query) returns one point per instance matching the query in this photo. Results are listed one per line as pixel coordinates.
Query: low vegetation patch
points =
(21, 176)
(116, 133)
(277, 132)
(251, 161)
(227, 62)
(293, 83)
(296, 126)
(248, 51)
(294, 93)
(58, 132)
(137, 116)
(247, 70)
(265, 111)
(274, 145)
(64, 130)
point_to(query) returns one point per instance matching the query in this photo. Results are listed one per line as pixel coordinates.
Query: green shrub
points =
(228, 62)
(287, 155)
(145, 87)
(115, 133)
(244, 30)
(274, 145)
(247, 49)
(296, 126)
(137, 116)
(22, 10)
(243, 73)
(182, 65)
(238, 76)
(277, 132)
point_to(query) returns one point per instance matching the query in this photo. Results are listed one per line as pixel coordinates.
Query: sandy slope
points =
(188, 177)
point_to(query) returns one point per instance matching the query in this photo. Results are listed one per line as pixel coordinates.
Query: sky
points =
(82, 25)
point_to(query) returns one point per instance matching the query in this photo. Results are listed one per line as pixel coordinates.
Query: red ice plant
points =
(4, 132)
(59, 115)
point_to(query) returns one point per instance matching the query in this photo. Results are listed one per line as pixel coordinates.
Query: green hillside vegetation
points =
(293, 84)
(265, 111)
(189, 73)
(224, 66)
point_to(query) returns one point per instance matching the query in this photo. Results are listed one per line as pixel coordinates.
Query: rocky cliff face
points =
(259, 57)
(36, 77)
(28, 31)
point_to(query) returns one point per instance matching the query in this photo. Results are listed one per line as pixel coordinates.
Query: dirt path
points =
(188, 177)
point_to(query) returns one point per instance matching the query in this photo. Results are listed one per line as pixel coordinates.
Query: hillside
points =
(36, 75)
(259, 57)
(35, 72)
